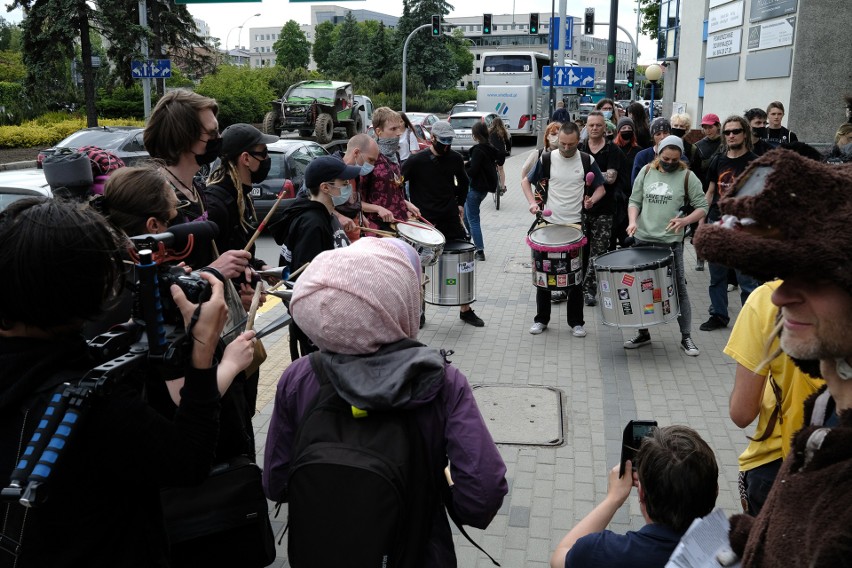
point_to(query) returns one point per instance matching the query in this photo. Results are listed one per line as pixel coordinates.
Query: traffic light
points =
(589, 22)
(436, 26)
(533, 24)
(486, 24)
(631, 76)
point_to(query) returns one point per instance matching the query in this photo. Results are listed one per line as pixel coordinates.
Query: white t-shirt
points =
(565, 190)
(408, 145)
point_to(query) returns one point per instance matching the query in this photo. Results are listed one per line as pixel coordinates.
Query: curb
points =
(18, 165)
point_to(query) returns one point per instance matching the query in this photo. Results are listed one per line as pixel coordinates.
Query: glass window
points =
(508, 64)
(297, 163)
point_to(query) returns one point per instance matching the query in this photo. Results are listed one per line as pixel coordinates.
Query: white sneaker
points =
(537, 328)
(688, 346)
(578, 331)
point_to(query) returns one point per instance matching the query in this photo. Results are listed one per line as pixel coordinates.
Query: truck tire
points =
(269, 121)
(324, 128)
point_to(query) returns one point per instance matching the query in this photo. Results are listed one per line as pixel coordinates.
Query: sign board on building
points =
(581, 77)
(678, 108)
(724, 17)
(714, 3)
(776, 33)
(724, 43)
(766, 9)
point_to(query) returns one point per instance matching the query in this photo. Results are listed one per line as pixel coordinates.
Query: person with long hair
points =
(482, 172)
(409, 143)
(641, 129)
(551, 142)
(499, 137)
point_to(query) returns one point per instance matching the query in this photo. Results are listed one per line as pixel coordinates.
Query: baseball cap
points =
(443, 132)
(239, 138)
(710, 119)
(327, 168)
(660, 124)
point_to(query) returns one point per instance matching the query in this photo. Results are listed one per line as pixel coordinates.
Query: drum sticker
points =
(576, 263)
(451, 282)
(669, 271)
(541, 279)
(627, 280)
(670, 290)
(561, 280)
(465, 267)
(647, 284)
(649, 309)
(627, 308)
(605, 286)
(666, 308)
(607, 302)
(561, 266)
(623, 293)
(545, 265)
(538, 265)
(556, 255)
(551, 280)
(658, 295)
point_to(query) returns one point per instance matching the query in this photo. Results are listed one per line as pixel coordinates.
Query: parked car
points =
(18, 184)
(422, 123)
(462, 124)
(123, 141)
(469, 106)
(585, 109)
(290, 158)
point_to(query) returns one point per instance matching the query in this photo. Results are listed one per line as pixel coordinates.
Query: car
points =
(422, 123)
(318, 107)
(469, 106)
(584, 110)
(18, 184)
(290, 158)
(462, 124)
(123, 141)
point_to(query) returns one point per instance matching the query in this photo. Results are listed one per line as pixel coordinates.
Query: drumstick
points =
(262, 225)
(255, 302)
(422, 218)
(399, 222)
(378, 232)
(299, 271)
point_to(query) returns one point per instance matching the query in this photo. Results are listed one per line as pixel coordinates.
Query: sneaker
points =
(641, 339)
(471, 318)
(537, 328)
(558, 296)
(590, 299)
(700, 266)
(732, 287)
(479, 255)
(578, 331)
(715, 322)
(688, 346)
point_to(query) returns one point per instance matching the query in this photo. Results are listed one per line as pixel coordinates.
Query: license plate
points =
(255, 192)
(462, 135)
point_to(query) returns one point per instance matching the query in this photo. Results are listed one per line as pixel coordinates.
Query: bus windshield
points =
(508, 64)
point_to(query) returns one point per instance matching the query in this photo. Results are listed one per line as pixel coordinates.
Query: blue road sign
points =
(151, 69)
(568, 35)
(579, 77)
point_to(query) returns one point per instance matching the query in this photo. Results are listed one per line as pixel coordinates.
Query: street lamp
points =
(240, 33)
(653, 73)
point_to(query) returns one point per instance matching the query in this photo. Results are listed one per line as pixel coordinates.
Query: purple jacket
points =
(453, 428)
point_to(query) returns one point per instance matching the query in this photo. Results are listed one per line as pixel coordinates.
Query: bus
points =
(510, 86)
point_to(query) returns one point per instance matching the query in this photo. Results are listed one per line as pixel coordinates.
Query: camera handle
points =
(150, 303)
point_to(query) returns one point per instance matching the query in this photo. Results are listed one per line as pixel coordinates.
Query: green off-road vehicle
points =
(315, 107)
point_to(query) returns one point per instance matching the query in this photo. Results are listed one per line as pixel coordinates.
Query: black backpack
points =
(360, 490)
(542, 185)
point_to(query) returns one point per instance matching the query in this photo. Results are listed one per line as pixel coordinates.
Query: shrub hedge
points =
(49, 129)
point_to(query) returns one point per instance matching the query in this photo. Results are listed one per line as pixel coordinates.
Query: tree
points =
(428, 58)
(650, 10)
(346, 58)
(242, 93)
(379, 58)
(325, 36)
(10, 36)
(462, 57)
(292, 48)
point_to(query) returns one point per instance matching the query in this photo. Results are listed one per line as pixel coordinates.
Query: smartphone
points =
(632, 439)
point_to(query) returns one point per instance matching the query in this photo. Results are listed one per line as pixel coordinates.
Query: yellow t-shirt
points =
(747, 346)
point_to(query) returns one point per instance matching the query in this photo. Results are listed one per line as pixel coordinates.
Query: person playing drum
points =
(566, 200)
(656, 217)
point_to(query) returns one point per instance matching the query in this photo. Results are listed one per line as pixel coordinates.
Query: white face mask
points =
(553, 140)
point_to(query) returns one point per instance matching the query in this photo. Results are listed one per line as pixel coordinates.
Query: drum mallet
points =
(263, 223)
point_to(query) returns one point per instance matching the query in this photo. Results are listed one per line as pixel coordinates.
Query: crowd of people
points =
(356, 358)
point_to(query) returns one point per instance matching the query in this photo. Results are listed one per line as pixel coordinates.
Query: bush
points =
(47, 132)
(243, 93)
(121, 102)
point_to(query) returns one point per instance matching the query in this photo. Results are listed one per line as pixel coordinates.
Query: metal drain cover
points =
(520, 264)
(530, 416)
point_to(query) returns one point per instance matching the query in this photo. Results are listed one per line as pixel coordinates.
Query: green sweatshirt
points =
(659, 196)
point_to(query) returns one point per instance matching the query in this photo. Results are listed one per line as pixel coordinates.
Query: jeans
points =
(471, 216)
(684, 320)
(758, 482)
(718, 290)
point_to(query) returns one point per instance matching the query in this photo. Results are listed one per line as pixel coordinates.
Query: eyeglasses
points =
(261, 155)
(733, 132)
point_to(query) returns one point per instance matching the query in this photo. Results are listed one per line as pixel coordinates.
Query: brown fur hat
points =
(785, 216)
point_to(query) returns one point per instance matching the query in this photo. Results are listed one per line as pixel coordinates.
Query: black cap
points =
(239, 138)
(328, 168)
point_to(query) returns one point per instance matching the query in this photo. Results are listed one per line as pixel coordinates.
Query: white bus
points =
(510, 86)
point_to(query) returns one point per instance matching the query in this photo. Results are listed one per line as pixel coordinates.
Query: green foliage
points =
(292, 48)
(346, 60)
(10, 36)
(12, 66)
(435, 101)
(429, 58)
(325, 36)
(243, 93)
(650, 10)
(179, 81)
(380, 54)
(462, 57)
(47, 130)
(12, 102)
(121, 102)
(280, 79)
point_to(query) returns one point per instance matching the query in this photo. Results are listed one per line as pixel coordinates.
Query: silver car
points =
(462, 124)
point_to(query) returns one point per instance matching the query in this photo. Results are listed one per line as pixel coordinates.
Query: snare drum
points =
(427, 241)
(637, 287)
(557, 255)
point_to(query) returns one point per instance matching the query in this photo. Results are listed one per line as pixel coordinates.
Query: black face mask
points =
(211, 152)
(262, 171)
(760, 132)
(441, 148)
(627, 135)
(679, 132)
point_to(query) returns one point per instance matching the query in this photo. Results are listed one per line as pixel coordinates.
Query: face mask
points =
(679, 132)
(627, 135)
(760, 132)
(568, 153)
(441, 149)
(262, 171)
(553, 140)
(388, 146)
(607, 114)
(366, 168)
(345, 194)
(211, 152)
(670, 167)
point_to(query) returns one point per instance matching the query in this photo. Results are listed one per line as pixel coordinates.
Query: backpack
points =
(361, 478)
(541, 185)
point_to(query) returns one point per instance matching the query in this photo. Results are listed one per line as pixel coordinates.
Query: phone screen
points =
(632, 439)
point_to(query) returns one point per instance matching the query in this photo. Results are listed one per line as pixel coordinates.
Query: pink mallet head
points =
(547, 213)
(590, 178)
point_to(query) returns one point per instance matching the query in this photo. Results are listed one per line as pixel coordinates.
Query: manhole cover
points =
(521, 264)
(530, 416)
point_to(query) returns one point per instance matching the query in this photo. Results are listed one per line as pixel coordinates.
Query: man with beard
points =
(438, 185)
(721, 173)
(567, 200)
(788, 218)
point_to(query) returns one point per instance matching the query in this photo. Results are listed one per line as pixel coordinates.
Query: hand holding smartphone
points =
(632, 439)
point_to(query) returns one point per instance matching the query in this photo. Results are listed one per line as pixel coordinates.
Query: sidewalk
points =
(602, 386)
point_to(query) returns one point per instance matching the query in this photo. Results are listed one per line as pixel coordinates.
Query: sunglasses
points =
(262, 155)
(733, 132)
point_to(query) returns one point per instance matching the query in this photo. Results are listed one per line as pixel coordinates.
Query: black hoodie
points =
(482, 167)
(307, 229)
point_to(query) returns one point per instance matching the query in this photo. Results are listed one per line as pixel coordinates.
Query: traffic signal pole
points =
(610, 57)
(405, 59)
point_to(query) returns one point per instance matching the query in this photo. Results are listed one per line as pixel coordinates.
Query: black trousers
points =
(575, 306)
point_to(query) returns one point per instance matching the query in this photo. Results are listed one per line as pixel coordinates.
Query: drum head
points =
(555, 235)
(633, 259)
(420, 233)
